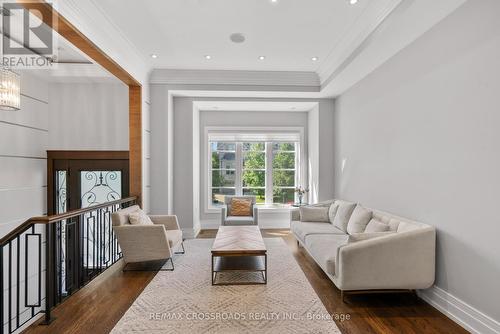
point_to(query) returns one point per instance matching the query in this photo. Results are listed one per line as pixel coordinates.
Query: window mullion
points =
(239, 167)
(269, 172)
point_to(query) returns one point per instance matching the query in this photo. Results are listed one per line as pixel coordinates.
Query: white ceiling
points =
(288, 33)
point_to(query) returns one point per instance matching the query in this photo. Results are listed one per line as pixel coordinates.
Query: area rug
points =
(184, 301)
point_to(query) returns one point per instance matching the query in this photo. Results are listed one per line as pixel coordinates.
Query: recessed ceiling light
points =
(353, 2)
(274, 1)
(262, 57)
(314, 58)
(208, 57)
(154, 56)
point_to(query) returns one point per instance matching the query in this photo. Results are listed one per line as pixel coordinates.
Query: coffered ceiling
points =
(288, 35)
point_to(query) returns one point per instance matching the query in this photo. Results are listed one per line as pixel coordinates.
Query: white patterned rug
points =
(184, 301)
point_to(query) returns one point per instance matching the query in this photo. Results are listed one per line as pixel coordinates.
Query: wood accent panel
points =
(135, 141)
(85, 155)
(67, 30)
(97, 307)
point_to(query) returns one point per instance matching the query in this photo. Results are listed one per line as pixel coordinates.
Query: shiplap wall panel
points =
(22, 173)
(34, 87)
(23, 164)
(20, 141)
(145, 167)
(22, 203)
(33, 114)
(147, 144)
(146, 116)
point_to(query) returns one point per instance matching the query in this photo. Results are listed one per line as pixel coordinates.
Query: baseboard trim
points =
(460, 312)
(190, 233)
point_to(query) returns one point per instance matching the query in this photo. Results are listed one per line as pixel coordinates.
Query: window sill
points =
(260, 207)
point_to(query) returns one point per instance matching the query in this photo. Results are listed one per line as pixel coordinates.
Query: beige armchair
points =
(228, 220)
(146, 242)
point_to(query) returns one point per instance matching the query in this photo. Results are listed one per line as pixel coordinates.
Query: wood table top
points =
(238, 240)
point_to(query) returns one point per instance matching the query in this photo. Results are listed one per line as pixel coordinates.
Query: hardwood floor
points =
(97, 307)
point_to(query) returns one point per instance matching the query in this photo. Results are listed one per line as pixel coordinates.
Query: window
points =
(253, 173)
(223, 162)
(266, 169)
(284, 172)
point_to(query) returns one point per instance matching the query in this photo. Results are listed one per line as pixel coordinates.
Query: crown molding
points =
(96, 25)
(230, 77)
(370, 19)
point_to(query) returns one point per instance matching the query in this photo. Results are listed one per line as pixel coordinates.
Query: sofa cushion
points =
(344, 212)
(405, 227)
(332, 211)
(323, 248)
(174, 237)
(393, 224)
(376, 226)
(139, 217)
(359, 219)
(239, 220)
(314, 214)
(302, 229)
(367, 235)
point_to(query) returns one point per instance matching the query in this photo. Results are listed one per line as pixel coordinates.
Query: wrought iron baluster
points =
(18, 271)
(10, 287)
(1, 288)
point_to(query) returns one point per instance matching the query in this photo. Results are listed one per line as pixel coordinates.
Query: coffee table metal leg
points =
(212, 273)
(265, 267)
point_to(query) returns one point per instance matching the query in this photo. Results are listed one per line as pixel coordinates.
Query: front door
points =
(79, 182)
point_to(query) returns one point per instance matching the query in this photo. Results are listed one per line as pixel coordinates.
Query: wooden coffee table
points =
(239, 248)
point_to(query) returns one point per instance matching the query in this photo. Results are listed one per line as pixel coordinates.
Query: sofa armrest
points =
(143, 242)
(403, 260)
(295, 214)
(169, 221)
(255, 215)
(223, 214)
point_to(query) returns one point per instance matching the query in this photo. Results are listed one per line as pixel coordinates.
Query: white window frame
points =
(300, 175)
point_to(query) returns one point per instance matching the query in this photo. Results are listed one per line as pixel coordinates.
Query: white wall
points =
(24, 137)
(420, 136)
(88, 116)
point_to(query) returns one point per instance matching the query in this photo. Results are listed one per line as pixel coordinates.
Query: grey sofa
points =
(142, 243)
(228, 220)
(402, 258)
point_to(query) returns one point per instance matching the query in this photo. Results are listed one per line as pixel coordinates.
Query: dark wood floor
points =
(97, 307)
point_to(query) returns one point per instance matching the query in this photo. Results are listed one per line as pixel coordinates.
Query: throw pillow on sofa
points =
(359, 219)
(314, 214)
(333, 211)
(139, 217)
(344, 212)
(365, 236)
(376, 226)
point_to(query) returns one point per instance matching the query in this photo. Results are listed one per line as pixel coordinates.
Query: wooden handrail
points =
(55, 218)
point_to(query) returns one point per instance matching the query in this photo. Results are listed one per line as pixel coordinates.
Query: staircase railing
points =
(48, 258)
